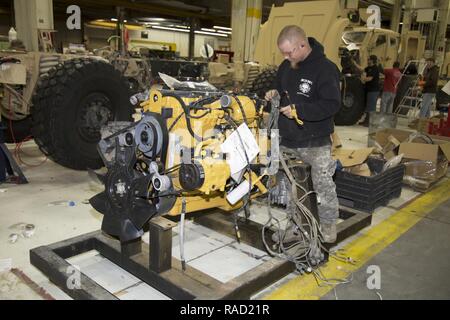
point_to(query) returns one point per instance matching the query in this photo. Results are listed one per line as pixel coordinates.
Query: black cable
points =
(186, 114)
(241, 108)
(175, 121)
(198, 104)
(200, 116)
(171, 169)
(305, 248)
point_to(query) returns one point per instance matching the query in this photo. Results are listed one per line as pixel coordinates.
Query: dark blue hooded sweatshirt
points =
(314, 89)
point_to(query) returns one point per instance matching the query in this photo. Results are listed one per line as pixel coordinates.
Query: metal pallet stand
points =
(8, 163)
(155, 265)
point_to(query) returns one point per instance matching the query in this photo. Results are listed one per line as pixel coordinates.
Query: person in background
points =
(430, 79)
(391, 79)
(410, 66)
(371, 78)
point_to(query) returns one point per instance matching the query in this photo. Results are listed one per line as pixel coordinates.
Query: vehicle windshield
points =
(354, 37)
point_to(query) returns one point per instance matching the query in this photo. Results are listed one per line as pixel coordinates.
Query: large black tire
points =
(263, 82)
(353, 102)
(70, 105)
(21, 129)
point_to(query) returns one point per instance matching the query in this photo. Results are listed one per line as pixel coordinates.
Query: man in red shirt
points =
(391, 79)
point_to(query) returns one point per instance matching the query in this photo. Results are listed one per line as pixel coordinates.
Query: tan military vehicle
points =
(331, 25)
(64, 100)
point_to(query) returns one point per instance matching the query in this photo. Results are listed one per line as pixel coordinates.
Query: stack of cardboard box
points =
(364, 179)
(425, 158)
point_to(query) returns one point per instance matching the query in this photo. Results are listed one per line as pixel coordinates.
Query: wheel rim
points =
(348, 101)
(96, 111)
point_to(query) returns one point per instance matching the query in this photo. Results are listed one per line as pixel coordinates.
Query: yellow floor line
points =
(363, 248)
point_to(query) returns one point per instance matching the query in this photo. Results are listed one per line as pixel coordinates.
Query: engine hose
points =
(175, 121)
(201, 102)
(242, 108)
(186, 114)
(200, 116)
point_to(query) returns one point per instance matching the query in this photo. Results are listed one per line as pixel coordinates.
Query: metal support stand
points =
(155, 265)
(21, 179)
(160, 244)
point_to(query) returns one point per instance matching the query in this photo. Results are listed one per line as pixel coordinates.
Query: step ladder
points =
(410, 103)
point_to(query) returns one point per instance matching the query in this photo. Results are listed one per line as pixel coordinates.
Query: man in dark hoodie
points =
(309, 84)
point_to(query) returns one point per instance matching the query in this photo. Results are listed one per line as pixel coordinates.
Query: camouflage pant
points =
(322, 170)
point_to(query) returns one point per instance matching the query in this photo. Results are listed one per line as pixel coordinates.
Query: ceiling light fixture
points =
(156, 19)
(168, 28)
(212, 34)
(222, 28)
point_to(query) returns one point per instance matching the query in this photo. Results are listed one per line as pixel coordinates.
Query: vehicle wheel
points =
(21, 129)
(71, 104)
(353, 102)
(263, 82)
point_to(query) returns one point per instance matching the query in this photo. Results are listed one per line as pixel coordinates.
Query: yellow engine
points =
(190, 151)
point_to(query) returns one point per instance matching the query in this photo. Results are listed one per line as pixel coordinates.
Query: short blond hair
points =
(291, 33)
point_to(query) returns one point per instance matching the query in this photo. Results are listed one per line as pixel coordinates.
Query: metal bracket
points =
(160, 255)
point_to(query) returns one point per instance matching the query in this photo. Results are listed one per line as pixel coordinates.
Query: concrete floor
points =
(44, 202)
(413, 267)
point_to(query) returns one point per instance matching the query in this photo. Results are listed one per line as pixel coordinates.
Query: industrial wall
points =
(182, 40)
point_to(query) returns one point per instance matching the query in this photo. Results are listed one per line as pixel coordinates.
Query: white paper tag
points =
(5, 264)
(240, 191)
(239, 143)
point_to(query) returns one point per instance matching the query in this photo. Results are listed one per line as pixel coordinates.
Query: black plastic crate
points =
(368, 193)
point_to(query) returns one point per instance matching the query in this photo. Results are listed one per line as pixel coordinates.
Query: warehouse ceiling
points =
(208, 13)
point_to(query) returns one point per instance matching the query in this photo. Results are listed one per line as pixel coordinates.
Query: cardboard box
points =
(359, 170)
(349, 157)
(336, 141)
(389, 148)
(424, 161)
(425, 170)
(422, 124)
(428, 162)
(382, 136)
